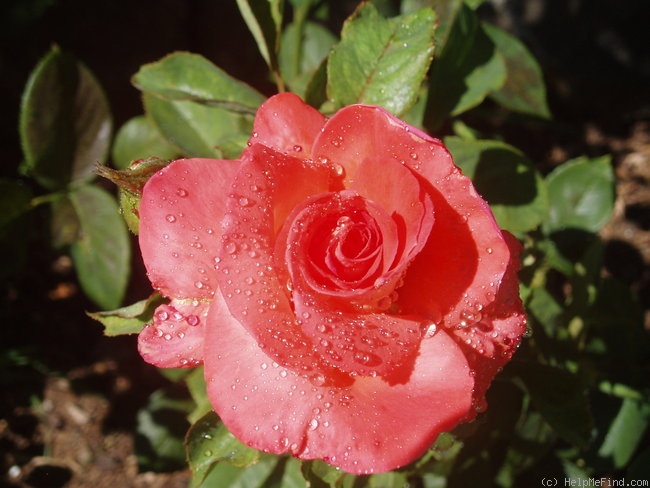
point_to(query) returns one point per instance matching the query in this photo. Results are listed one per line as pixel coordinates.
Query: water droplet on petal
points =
(297, 148)
(193, 320)
(182, 192)
(313, 424)
(170, 218)
(230, 247)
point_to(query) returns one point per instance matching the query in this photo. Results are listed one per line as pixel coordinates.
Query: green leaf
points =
(468, 69)
(506, 179)
(626, 432)
(102, 251)
(195, 382)
(65, 122)
(138, 138)
(446, 11)
(264, 19)
(303, 49)
(581, 194)
(130, 319)
(320, 474)
(224, 475)
(381, 61)
(184, 76)
(197, 130)
(560, 398)
(161, 427)
(209, 442)
(524, 89)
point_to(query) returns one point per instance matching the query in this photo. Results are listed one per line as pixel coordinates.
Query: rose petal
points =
(287, 124)
(175, 337)
(180, 213)
(465, 256)
(397, 190)
(494, 338)
(266, 186)
(361, 429)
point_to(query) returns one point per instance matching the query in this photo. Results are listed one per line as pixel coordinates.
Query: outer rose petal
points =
(369, 427)
(180, 213)
(465, 256)
(175, 337)
(287, 124)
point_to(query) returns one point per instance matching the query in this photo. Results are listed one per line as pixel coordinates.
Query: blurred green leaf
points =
(381, 61)
(139, 139)
(264, 19)
(197, 130)
(304, 47)
(161, 426)
(465, 72)
(560, 397)
(65, 122)
(15, 200)
(581, 194)
(506, 179)
(626, 432)
(130, 319)
(209, 442)
(524, 89)
(196, 385)
(184, 76)
(101, 252)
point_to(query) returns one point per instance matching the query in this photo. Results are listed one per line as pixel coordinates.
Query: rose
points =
(347, 290)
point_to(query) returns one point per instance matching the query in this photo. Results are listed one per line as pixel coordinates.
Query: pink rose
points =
(347, 290)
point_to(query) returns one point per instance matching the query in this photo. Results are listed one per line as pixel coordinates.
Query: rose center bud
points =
(345, 251)
(341, 244)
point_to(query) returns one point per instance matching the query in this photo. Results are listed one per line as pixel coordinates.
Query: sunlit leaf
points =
(524, 89)
(581, 194)
(184, 76)
(65, 122)
(381, 61)
(101, 253)
(506, 179)
(446, 11)
(139, 139)
(209, 443)
(197, 130)
(225, 475)
(130, 319)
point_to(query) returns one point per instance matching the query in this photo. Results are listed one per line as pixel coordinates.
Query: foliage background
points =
(597, 67)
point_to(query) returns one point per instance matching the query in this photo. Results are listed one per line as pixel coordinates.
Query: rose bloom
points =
(348, 292)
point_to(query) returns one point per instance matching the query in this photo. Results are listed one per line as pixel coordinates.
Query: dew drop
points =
(162, 315)
(207, 453)
(297, 148)
(192, 320)
(230, 247)
(170, 218)
(313, 424)
(182, 192)
(244, 202)
(199, 284)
